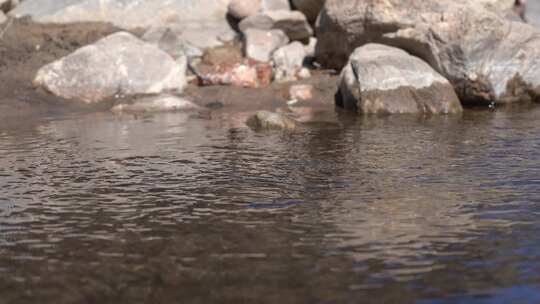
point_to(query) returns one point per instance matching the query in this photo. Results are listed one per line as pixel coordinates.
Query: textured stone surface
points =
(384, 80)
(265, 120)
(241, 9)
(124, 14)
(3, 17)
(117, 65)
(288, 61)
(153, 104)
(532, 12)
(293, 23)
(275, 5)
(487, 58)
(260, 44)
(301, 92)
(310, 8)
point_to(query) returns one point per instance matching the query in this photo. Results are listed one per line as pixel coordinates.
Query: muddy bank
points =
(26, 46)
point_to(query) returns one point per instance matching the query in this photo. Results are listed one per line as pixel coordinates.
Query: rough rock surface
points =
(122, 13)
(275, 5)
(532, 12)
(310, 8)
(5, 5)
(487, 58)
(117, 65)
(201, 23)
(170, 41)
(162, 103)
(288, 61)
(3, 17)
(265, 120)
(247, 73)
(384, 80)
(260, 44)
(293, 23)
(241, 9)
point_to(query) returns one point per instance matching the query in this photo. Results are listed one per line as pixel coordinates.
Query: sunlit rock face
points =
(200, 23)
(117, 65)
(124, 13)
(532, 12)
(384, 80)
(487, 58)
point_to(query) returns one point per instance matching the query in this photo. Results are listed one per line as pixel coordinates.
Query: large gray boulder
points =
(117, 65)
(487, 58)
(260, 44)
(202, 23)
(293, 23)
(128, 14)
(310, 8)
(532, 12)
(379, 79)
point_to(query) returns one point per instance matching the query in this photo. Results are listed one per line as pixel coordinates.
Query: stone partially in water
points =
(384, 80)
(265, 120)
(487, 58)
(163, 103)
(117, 65)
(301, 92)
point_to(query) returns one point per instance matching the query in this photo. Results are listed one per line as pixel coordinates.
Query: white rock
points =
(301, 92)
(241, 9)
(274, 5)
(288, 61)
(125, 14)
(119, 64)
(260, 44)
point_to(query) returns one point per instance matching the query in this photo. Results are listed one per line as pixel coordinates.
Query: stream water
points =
(97, 208)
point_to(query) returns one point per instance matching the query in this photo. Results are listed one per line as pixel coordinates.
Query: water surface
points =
(97, 208)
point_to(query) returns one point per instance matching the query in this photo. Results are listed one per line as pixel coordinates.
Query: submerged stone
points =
(265, 120)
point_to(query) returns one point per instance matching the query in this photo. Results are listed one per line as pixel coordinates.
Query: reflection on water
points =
(177, 209)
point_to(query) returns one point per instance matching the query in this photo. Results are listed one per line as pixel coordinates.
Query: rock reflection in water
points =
(118, 208)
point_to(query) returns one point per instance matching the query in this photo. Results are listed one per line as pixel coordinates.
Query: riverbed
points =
(175, 208)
